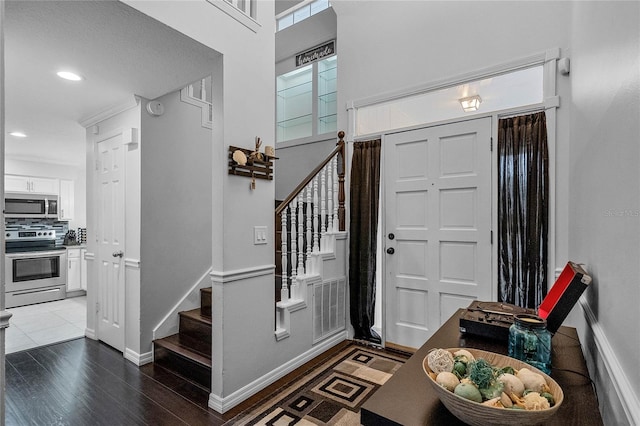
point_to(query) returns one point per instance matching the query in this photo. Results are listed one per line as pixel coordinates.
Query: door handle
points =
(391, 250)
(118, 253)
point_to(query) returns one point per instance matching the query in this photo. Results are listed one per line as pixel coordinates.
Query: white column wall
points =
(604, 196)
(244, 349)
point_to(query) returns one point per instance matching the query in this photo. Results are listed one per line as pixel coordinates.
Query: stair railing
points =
(314, 209)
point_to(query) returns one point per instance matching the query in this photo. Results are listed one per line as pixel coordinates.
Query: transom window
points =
(300, 13)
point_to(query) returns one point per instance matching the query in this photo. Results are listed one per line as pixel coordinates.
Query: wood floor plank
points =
(84, 382)
(71, 392)
(167, 404)
(87, 383)
(116, 393)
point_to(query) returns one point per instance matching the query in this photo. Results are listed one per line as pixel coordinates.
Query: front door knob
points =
(391, 250)
(118, 253)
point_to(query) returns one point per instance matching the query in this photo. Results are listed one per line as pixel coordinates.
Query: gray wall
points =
(389, 46)
(297, 38)
(604, 186)
(175, 248)
(297, 160)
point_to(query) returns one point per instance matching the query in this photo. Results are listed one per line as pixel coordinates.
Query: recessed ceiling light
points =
(68, 75)
(18, 134)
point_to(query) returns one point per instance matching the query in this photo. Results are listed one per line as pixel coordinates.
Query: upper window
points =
(301, 12)
(306, 101)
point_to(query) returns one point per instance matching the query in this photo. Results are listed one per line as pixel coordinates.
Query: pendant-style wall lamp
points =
(470, 103)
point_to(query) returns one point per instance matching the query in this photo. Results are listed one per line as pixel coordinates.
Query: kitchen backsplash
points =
(61, 228)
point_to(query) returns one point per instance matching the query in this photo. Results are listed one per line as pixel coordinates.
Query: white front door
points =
(437, 237)
(110, 234)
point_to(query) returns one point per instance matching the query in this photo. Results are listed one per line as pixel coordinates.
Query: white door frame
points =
(550, 107)
(550, 104)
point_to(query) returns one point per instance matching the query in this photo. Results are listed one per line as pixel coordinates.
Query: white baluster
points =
(294, 254)
(316, 233)
(309, 241)
(203, 89)
(300, 235)
(334, 169)
(284, 291)
(323, 206)
(330, 196)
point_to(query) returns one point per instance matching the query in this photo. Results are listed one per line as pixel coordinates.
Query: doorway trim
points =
(549, 104)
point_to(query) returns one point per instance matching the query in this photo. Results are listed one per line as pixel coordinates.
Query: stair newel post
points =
(323, 207)
(334, 172)
(309, 241)
(294, 252)
(300, 235)
(284, 291)
(341, 194)
(316, 230)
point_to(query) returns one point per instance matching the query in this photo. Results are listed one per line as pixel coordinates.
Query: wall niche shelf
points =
(255, 169)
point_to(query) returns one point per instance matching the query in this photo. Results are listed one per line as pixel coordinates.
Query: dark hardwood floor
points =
(85, 382)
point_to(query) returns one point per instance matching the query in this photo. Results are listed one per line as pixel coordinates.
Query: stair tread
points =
(196, 314)
(187, 347)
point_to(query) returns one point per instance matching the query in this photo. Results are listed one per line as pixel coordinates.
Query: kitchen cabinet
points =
(76, 269)
(66, 200)
(38, 185)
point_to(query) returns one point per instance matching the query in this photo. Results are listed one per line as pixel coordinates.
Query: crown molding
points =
(94, 119)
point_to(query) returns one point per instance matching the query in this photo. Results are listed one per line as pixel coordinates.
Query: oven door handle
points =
(32, 254)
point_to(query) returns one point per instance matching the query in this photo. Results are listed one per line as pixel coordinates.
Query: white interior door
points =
(437, 226)
(110, 234)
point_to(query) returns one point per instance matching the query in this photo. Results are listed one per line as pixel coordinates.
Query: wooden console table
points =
(407, 398)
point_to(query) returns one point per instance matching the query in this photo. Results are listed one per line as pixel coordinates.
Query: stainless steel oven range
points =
(35, 268)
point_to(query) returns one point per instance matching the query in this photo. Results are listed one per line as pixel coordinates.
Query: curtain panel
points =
(523, 203)
(363, 226)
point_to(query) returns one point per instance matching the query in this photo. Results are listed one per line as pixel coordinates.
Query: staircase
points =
(188, 353)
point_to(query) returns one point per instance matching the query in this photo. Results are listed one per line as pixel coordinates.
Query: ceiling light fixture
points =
(18, 134)
(470, 103)
(68, 75)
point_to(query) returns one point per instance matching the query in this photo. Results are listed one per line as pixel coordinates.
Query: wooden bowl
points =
(477, 414)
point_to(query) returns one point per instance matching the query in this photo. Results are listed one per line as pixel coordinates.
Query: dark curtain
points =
(364, 198)
(523, 216)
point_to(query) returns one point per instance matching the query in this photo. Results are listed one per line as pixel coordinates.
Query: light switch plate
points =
(259, 235)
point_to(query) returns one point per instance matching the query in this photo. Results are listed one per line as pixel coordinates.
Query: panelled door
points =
(437, 237)
(111, 219)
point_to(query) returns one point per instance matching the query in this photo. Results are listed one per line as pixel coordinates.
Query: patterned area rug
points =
(330, 394)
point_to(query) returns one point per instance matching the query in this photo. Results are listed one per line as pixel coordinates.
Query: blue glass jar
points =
(530, 341)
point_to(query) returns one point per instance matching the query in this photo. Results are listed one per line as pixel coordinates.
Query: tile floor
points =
(46, 323)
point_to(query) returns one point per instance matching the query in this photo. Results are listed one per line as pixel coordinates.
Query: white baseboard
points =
(90, 333)
(222, 405)
(623, 389)
(138, 359)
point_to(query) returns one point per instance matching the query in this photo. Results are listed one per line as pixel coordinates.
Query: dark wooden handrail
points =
(339, 150)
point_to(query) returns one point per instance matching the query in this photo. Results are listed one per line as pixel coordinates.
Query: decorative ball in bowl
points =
(485, 388)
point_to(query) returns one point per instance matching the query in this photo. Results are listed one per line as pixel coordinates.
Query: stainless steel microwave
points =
(31, 205)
